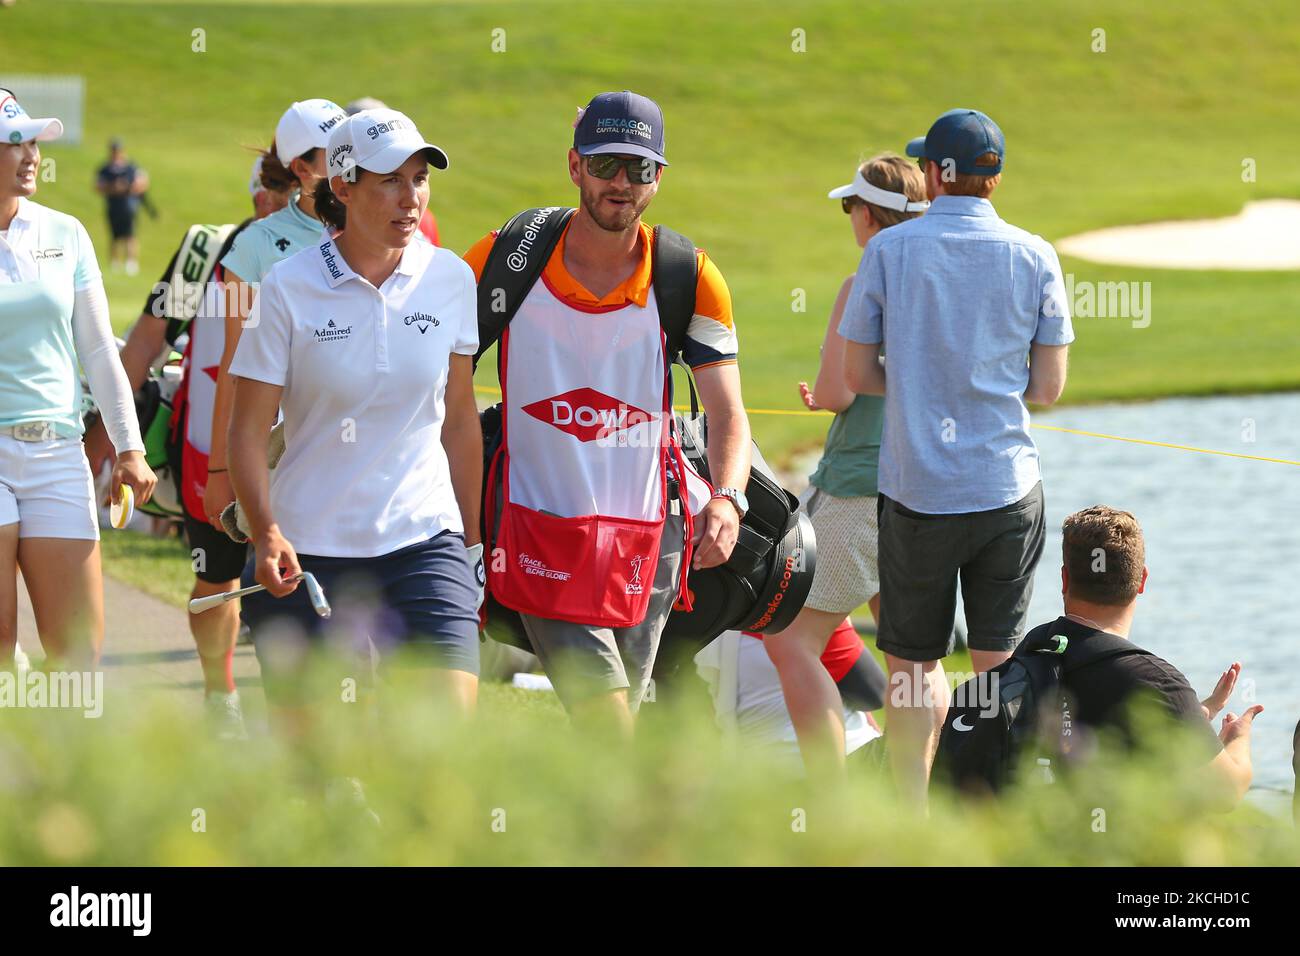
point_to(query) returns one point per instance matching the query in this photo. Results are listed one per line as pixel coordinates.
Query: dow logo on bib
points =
(586, 414)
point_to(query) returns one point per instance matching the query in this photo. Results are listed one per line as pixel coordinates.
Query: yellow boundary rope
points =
(1051, 428)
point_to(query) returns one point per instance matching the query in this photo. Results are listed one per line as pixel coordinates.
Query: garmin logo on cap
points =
(392, 126)
(517, 260)
(611, 126)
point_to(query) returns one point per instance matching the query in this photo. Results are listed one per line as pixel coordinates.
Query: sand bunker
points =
(1265, 235)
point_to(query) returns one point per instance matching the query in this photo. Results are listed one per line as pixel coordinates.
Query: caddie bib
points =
(587, 448)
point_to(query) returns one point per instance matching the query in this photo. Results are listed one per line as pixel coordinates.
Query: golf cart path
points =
(147, 644)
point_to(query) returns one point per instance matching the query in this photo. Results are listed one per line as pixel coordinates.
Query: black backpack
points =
(764, 584)
(980, 751)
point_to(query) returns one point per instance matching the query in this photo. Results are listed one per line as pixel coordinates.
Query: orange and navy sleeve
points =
(477, 254)
(711, 335)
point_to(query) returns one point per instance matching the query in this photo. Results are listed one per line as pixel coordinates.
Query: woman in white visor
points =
(841, 496)
(53, 315)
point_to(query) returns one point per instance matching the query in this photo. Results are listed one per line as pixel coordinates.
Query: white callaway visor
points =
(874, 194)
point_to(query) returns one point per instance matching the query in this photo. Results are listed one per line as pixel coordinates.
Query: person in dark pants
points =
(971, 313)
(122, 184)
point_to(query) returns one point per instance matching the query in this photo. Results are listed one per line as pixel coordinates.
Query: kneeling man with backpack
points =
(595, 517)
(1081, 674)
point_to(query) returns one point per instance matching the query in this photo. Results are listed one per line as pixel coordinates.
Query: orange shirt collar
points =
(635, 288)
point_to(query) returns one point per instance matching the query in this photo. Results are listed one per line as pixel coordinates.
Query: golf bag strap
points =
(674, 283)
(516, 260)
(196, 260)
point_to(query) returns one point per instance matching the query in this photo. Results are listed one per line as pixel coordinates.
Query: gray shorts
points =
(921, 558)
(583, 661)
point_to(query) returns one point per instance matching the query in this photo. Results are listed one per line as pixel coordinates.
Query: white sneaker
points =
(225, 716)
(132, 267)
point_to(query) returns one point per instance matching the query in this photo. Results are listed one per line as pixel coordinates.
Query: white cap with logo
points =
(377, 140)
(17, 127)
(305, 125)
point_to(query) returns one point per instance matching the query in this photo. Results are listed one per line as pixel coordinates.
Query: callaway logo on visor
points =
(587, 414)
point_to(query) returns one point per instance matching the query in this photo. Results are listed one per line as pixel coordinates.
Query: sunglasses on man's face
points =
(640, 170)
(848, 202)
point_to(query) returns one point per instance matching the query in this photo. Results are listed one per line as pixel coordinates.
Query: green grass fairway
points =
(1154, 128)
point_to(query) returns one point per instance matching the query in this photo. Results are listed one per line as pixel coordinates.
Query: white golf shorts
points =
(45, 486)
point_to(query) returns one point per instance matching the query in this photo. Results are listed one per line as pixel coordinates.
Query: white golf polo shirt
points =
(364, 372)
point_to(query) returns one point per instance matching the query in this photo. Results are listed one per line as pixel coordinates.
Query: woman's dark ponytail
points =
(328, 208)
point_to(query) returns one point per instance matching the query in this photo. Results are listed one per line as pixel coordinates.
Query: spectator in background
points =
(122, 183)
(1100, 601)
(972, 314)
(841, 496)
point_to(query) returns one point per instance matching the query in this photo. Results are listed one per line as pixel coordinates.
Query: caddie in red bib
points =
(598, 519)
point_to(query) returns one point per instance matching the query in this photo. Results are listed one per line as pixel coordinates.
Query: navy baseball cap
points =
(962, 136)
(624, 122)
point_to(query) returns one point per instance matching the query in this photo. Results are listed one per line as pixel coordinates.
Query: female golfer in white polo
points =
(365, 340)
(53, 313)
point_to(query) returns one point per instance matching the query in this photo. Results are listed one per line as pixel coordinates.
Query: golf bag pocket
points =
(592, 569)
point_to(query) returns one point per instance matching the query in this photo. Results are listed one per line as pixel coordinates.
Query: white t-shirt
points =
(364, 372)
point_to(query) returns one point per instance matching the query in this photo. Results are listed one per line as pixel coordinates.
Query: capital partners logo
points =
(75, 908)
(54, 690)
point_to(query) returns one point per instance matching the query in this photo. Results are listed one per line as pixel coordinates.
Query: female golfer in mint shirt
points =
(53, 314)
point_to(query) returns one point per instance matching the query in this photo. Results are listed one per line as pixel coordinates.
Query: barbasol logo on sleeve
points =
(614, 126)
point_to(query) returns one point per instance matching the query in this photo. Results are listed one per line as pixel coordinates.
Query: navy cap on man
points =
(962, 136)
(623, 122)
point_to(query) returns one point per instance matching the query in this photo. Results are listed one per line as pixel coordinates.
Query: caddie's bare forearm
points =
(462, 438)
(255, 407)
(729, 435)
(142, 346)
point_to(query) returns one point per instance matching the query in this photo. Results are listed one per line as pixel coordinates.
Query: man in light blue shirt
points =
(972, 313)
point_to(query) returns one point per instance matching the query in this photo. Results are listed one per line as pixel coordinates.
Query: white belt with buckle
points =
(32, 431)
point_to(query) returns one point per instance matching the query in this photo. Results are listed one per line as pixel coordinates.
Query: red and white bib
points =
(584, 462)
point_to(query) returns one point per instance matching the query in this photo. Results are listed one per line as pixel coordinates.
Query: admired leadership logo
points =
(333, 332)
(587, 414)
(422, 321)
